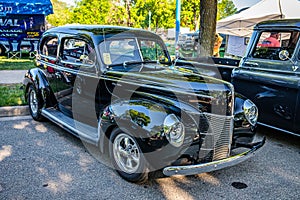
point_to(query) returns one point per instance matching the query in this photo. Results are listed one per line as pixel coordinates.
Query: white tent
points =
(241, 24)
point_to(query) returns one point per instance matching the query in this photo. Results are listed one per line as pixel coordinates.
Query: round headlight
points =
(174, 130)
(251, 112)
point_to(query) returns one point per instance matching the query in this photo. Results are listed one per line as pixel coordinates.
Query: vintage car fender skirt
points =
(127, 157)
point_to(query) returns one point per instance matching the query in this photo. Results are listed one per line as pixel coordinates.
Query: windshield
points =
(122, 50)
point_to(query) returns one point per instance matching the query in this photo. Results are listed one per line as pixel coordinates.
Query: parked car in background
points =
(117, 88)
(269, 74)
(190, 42)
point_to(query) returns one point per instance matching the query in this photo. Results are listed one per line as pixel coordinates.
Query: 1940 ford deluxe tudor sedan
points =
(117, 88)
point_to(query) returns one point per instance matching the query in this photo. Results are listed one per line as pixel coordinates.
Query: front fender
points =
(38, 79)
(243, 131)
(144, 119)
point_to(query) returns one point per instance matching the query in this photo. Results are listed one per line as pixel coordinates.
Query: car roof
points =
(96, 31)
(279, 24)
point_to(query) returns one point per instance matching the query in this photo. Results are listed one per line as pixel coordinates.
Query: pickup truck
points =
(116, 88)
(269, 74)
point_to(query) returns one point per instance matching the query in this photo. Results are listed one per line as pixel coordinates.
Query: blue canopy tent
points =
(22, 22)
(29, 7)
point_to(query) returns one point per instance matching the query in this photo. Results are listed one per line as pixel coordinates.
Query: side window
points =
(151, 50)
(271, 43)
(77, 51)
(49, 46)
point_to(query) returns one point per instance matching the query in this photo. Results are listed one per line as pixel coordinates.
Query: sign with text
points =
(18, 29)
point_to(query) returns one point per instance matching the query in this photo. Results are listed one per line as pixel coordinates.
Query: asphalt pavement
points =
(42, 161)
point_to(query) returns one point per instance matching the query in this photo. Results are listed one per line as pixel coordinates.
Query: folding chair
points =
(5, 44)
(33, 53)
(14, 53)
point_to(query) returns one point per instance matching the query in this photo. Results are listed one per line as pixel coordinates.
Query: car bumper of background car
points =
(215, 165)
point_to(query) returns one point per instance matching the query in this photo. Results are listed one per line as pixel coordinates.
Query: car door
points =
(48, 60)
(77, 79)
(297, 118)
(271, 81)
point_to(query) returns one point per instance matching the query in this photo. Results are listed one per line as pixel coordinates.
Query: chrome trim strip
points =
(69, 128)
(212, 166)
(231, 117)
(278, 129)
(267, 70)
(79, 72)
(78, 64)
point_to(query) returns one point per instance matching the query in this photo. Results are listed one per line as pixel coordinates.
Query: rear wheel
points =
(127, 157)
(34, 104)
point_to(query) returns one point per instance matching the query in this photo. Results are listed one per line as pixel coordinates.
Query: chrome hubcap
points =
(33, 102)
(126, 153)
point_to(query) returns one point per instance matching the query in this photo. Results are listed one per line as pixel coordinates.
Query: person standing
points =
(271, 41)
(217, 45)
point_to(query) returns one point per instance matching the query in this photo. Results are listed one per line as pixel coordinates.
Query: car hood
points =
(173, 83)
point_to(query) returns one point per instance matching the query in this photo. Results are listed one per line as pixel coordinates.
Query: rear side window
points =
(49, 46)
(271, 43)
(78, 51)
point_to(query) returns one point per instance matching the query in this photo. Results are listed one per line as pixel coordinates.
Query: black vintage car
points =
(269, 74)
(117, 88)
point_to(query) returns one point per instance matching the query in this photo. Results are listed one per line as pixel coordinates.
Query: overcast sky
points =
(238, 3)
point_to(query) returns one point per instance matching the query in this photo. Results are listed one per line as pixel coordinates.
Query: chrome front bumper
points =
(215, 165)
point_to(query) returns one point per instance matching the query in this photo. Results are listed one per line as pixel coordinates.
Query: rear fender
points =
(37, 78)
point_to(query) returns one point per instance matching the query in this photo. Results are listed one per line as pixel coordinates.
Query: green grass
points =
(15, 64)
(11, 95)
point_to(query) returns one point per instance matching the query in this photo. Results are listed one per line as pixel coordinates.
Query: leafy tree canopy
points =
(135, 13)
(225, 9)
(62, 13)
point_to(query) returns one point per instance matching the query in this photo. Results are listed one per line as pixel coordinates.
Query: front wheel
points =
(34, 104)
(127, 157)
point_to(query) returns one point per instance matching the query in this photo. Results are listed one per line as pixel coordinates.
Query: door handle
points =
(251, 64)
(58, 75)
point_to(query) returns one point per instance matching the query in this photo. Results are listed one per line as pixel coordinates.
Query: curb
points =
(10, 111)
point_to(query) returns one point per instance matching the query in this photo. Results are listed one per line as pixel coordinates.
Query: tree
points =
(62, 13)
(117, 14)
(208, 19)
(190, 13)
(162, 13)
(91, 12)
(225, 9)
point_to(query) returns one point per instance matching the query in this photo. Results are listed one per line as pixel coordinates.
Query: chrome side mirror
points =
(284, 55)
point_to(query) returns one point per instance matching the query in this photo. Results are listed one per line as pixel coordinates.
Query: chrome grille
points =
(217, 140)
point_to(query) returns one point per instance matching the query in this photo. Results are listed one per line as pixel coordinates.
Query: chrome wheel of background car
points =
(126, 153)
(127, 157)
(34, 104)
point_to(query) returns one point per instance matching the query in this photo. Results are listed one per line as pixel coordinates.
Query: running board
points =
(83, 131)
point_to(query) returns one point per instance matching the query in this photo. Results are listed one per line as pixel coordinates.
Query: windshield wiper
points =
(133, 62)
(139, 62)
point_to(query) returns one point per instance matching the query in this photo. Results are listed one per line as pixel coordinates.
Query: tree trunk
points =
(127, 4)
(208, 20)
